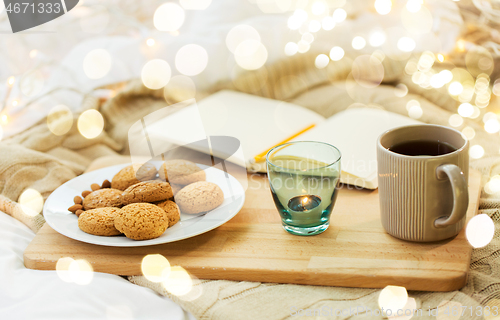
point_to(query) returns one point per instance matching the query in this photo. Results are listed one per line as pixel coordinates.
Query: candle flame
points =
(10, 81)
(304, 201)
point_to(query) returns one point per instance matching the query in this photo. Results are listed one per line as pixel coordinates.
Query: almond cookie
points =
(147, 191)
(172, 211)
(133, 174)
(142, 221)
(103, 198)
(181, 172)
(99, 222)
(199, 197)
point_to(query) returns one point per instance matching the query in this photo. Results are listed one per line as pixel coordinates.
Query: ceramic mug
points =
(423, 195)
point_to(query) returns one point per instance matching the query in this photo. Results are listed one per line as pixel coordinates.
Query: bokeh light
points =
(168, 17)
(250, 55)
(496, 87)
(179, 282)
(406, 44)
(480, 230)
(321, 61)
(447, 75)
(414, 5)
(191, 59)
(10, 81)
(492, 126)
(291, 48)
(469, 132)
(307, 37)
(240, 33)
(62, 269)
(358, 43)
(155, 74)
(179, 88)
(339, 15)
(97, 63)
(465, 110)
(155, 267)
(336, 53)
(81, 272)
(493, 186)
(303, 46)
(415, 112)
(479, 60)
(31, 202)
(367, 71)
(195, 4)
(393, 297)
(150, 42)
(476, 151)
(60, 120)
(1, 131)
(377, 38)
(90, 123)
(455, 120)
(383, 7)
(328, 23)
(455, 88)
(401, 90)
(319, 7)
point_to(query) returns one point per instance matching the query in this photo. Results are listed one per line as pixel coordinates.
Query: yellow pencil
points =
(262, 156)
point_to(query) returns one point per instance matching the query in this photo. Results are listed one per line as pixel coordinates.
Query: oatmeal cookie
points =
(199, 197)
(172, 211)
(142, 221)
(99, 222)
(147, 191)
(133, 174)
(103, 198)
(181, 172)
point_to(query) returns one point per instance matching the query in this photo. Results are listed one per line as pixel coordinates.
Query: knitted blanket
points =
(41, 160)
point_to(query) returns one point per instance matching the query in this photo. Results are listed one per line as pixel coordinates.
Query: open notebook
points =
(261, 123)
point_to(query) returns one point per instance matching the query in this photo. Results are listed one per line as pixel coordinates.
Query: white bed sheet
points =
(32, 294)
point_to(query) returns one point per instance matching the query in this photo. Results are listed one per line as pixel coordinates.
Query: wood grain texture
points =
(355, 251)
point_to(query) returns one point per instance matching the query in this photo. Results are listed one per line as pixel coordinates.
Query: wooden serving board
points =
(355, 251)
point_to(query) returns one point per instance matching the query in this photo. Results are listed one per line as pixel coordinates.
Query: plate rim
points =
(140, 243)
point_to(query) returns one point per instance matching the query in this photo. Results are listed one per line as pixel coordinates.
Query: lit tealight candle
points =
(304, 203)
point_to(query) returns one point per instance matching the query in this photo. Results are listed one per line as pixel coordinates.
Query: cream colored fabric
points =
(40, 160)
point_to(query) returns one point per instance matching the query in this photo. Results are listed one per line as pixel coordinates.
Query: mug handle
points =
(460, 194)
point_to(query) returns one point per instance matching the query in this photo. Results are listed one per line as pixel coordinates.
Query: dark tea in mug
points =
(423, 148)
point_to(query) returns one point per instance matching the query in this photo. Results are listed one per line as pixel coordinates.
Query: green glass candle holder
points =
(304, 178)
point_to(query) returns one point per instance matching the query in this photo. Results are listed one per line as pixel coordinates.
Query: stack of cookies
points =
(141, 202)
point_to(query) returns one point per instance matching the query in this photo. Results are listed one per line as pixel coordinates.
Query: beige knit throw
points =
(40, 160)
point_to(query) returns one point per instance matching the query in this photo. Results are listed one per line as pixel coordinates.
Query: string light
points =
(10, 81)
(440, 57)
(150, 42)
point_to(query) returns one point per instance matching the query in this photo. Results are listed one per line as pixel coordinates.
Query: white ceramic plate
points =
(60, 219)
